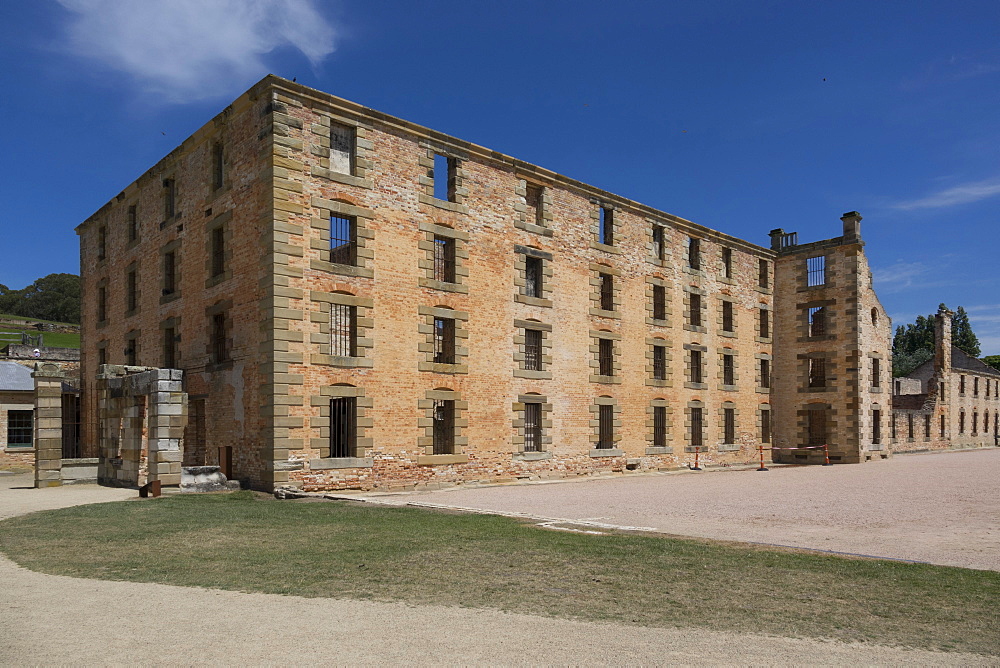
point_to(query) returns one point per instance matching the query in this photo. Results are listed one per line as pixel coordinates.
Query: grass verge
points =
(340, 549)
(51, 339)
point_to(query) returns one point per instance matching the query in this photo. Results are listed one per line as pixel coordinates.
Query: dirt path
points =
(940, 508)
(60, 620)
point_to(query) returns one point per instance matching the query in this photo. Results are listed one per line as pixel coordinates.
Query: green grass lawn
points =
(49, 322)
(51, 339)
(340, 549)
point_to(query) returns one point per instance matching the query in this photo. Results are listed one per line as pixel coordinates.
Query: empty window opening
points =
(659, 362)
(659, 302)
(169, 198)
(694, 309)
(219, 341)
(696, 370)
(102, 242)
(727, 262)
(817, 372)
(444, 177)
(444, 259)
(729, 425)
(169, 273)
(975, 422)
(817, 427)
(927, 425)
(659, 243)
(694, 253)
(961, 384)
(728, 372)
(697, 427)
(218, 251)
(606, 226)
(102, 304)
(444, 341)
(606, 357)
(876, 372)
(169, 348)
(132, 222)
(605, 427)
(342, 148)
(765, 373)
(607, 292)
(763, 280)
(659, 426)
(343, 426)
(816, 270)
(444, 427)
(343, 330)
(961, 422)
(218, 166)
(765, 425)
(909, 425)
(343, 240)
(131, 351)
(533, 349)
(817, 321)
(876, 426)
(941, 426)
(533, 276)
(975, 386)
(532, 427)
(765, 324)
(533, 200)
(131, 291)
(727, 316)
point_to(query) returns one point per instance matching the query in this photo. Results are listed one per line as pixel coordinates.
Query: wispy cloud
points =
(956, 67)
(898, 276)
(194, 49)
(961, 194)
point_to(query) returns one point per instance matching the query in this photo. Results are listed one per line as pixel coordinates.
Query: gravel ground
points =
(942, 508)
(62, 620)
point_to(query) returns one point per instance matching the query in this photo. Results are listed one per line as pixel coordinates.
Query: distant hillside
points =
(55, 297)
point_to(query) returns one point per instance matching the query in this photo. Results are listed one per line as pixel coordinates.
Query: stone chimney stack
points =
(852, 226)
(942, 349)
(776, 238)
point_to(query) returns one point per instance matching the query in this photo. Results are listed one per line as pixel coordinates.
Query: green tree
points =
(993, 361)
(52, 297)
(962, 335)
(913, 344)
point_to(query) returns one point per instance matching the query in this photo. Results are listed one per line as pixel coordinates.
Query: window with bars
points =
(102, 304)
(728, 371)
(817, 321)
(727, 316)
(607, 292)
(876, 372)
(694, 309)
(532, 427)
(444, 259)
(817, 372)
(533, 276)
(445, 177)
(729, 425)
(443, 438)
(659, 426)
(697, 426)
(343, 330)
(219, 340)
(876, 426)
(218, 166)
(132, 222)
(697, 374)
(169, 273)
(605, 427)
(169, 348)
(343, 240)
(659, 363)
(218, 251)
(765, 425)
(764, 323)
(131, 291)
(765, 373)
(533, 349)
(694, 253)
(816, 270)
(763, 280)
(606, 226)
(169, 198)
(727, 262)
(606, 357)
(444, 340)
(817, 427)
(659, 302)
(659, 242)
(20, 428)
(343, 427)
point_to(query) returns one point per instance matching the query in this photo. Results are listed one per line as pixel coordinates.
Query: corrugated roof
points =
(15, 377)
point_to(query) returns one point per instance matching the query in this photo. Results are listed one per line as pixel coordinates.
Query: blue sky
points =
(742, 116)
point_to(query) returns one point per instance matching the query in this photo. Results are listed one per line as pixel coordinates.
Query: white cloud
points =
(195, 49)
(898, 276)
(962, 194)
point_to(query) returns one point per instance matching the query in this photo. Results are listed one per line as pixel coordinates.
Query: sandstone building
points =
(357, 301)
(950, 401)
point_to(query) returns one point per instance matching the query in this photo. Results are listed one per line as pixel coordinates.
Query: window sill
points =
(875, 390)
(607, 380)
(341, 269)
(763, 339)
(763, 390)
(167, 298)
(341, 463)
(533, 301)
(695, 386)
(659, 450)
(727, 388)
(454, 207)
(656, 382)
(606, 452)
(691, 448)
(727, 280)
(693, 271)
(535, 375)
(817, 389)
(342, 362)
(531, 456)
(728, 333)
(696, 328)
(607, 248)
(534, 229)
(603, 313)
(338, 177)
(439, 460)
(215, 280)
(132, 313)
(728, 447)
(658, 322)
(434, 284)
(437, 367)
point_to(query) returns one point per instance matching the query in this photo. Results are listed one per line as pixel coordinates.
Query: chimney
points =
(942, 350)
(776, 236)
(852, 226)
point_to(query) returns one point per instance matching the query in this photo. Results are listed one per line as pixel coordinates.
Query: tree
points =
(53, 297)
(962, 335)
(993, 361)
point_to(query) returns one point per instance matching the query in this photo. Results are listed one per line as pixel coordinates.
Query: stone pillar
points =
(48, 425)
(167, 419)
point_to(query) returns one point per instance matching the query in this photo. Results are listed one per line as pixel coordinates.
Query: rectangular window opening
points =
(169, 198)
(606, 357)
(765, 426)
(445, 177)
(444, 259)
(444, 341)
(343, 330)
(444, 427)
(817, 321)
(532, 427)
(220, 343)
(728, 371)
(533, 199)
(533, 349)
(342, 148)
(696, 370)
(607, 292)
(694, 309)
(876, 426)
(697, 427)
(169, 348)
(659, 245)
(817, 372)
(659, 362)
(817, 427)
(729, 422)
(694, 253)
(727, 262)
(816, 270)
(659, 302)
(131, 291)
(218, 166)
(727, 316)
(20, 428)
(343, 240)
(763, 280)
(606, 231)
(606, 427)
(218, 251)
(765, 373)
(876, 372)
(765, 324)
(132, 221)
(659, 426)
(533, 276)
(169, 273)
(343, 427)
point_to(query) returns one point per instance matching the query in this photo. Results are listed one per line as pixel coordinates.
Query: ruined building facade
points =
(950, 401)
(360, 302)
